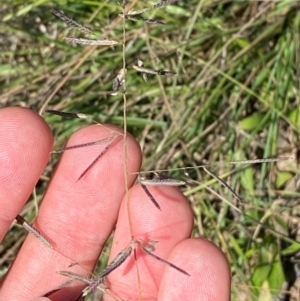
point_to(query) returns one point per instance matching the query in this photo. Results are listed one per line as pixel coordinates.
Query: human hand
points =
(78, 217)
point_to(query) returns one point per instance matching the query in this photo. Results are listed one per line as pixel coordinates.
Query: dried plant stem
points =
(125, 149)
(254, 161)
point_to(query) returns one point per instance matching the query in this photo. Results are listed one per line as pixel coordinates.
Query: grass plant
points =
(235, 97)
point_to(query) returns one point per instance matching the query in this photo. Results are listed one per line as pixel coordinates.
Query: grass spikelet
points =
(119, 81)
(140, 19)
(156, 6)
(70, 22)
(91, 42)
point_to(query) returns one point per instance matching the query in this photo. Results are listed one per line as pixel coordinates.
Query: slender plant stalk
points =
(125, 149)
(254, 161)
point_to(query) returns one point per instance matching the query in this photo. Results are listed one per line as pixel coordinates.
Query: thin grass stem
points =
(255, 161)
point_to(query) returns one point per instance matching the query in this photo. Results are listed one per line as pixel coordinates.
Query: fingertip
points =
(147, 220)
(26, 144)
(208, 269)
(166, 227)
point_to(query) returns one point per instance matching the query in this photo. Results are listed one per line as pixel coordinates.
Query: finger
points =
(168, 226)
(209, 273)
(77, 216)
(25, 146)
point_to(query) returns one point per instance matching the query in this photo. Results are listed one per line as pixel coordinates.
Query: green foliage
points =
(282, 178)
(252, 122)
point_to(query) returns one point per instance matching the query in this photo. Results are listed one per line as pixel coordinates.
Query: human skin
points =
(78, 217)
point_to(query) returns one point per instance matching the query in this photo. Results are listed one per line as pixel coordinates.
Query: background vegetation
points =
(236, 96)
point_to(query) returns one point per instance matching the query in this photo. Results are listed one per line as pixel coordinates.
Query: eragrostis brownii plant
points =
(119, 86)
